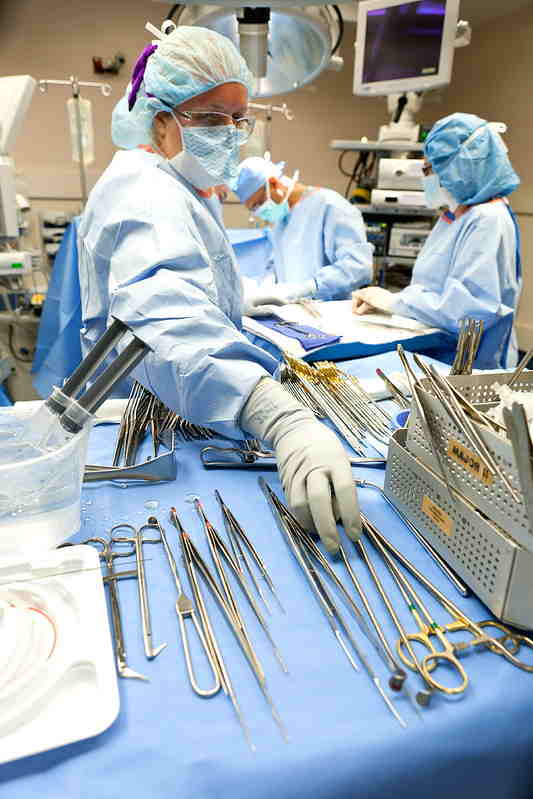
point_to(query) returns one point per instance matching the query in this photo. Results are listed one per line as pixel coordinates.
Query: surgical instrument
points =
(246, 458)
(342, 399)
(228, 613)
(184, 610)
(216, 546)
(470, 432)
(212, 643)
(397, 394)
(419, 611)
(91, 400)
(518, 432)
(432, 552)
(296, 538)
(237, 537)
(380, 644)
(424, 420)
(137, 539)
(162, 468)
(462, 621)
(520, 368)
(107, 555)
(422, 697)
(468, 342)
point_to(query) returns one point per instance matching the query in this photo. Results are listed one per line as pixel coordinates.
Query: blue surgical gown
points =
(470, 268)
(155, 255)
(323, 238)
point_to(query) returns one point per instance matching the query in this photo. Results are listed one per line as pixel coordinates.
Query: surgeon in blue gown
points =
(319, 246)
(153, 252)
(470, 265)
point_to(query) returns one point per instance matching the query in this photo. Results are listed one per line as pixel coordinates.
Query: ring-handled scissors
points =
(510, 639)
(427, 627)
(507, 648)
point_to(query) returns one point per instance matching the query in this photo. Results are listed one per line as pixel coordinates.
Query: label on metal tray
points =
(437, 515)
(471, 462)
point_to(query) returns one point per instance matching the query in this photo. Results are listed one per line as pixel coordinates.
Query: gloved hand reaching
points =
(314, 468)
(372, 299)
(263, 302)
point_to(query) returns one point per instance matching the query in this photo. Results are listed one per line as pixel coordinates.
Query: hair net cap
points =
(470, 159)
(186, 63)
(253, 174)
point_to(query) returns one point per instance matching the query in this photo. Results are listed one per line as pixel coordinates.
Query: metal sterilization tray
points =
(464, 469)
(493, 564)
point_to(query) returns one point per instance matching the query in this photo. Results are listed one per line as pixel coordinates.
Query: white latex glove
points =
(314, 468)
(371, 299)
(263, 302)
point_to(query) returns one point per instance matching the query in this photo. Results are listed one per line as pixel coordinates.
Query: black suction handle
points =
(94, 358)
(73, 418)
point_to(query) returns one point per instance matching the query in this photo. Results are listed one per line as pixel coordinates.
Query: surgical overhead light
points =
(284, 47)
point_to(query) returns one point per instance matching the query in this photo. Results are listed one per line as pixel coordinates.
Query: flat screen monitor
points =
(404, 46)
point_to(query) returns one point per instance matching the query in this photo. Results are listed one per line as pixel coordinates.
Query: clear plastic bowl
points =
(40, 493)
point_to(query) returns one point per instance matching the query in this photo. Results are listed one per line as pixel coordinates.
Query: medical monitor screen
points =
(403, 41)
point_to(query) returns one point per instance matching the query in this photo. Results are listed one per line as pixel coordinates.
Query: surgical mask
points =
(273, 212)
(432, 190)
(210, 155)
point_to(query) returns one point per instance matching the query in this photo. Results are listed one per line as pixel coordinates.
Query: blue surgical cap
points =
(470, 159)
(253, 174)
(188, 62)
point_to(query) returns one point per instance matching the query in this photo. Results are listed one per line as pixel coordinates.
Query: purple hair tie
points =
(138, 73)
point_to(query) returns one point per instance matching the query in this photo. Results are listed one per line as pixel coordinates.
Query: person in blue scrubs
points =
(319, 246)
(154, 253)
(470, 265)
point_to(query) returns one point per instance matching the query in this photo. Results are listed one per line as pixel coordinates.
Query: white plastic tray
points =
(85, 702)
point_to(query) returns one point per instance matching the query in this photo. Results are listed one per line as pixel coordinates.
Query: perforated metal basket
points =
(464, 470)
(494, 565)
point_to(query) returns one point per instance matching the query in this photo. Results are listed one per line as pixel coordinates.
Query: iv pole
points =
(75, 85)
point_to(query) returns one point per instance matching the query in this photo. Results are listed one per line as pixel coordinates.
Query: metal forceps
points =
(107, 555)
(297, 540)
(427, 626)
(185, 609)
(441, 563)
(137, 539)
(507, 646)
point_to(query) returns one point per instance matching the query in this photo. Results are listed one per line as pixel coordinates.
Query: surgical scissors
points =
(185, 609)
(419, 611)
(137, 539)
(107, 555)
(462, 622)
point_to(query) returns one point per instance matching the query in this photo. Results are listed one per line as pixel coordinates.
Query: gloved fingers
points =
(257, 311)
(348, 503)
(299, 506)
(271, 299)
(362, 308)
(321, 505)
